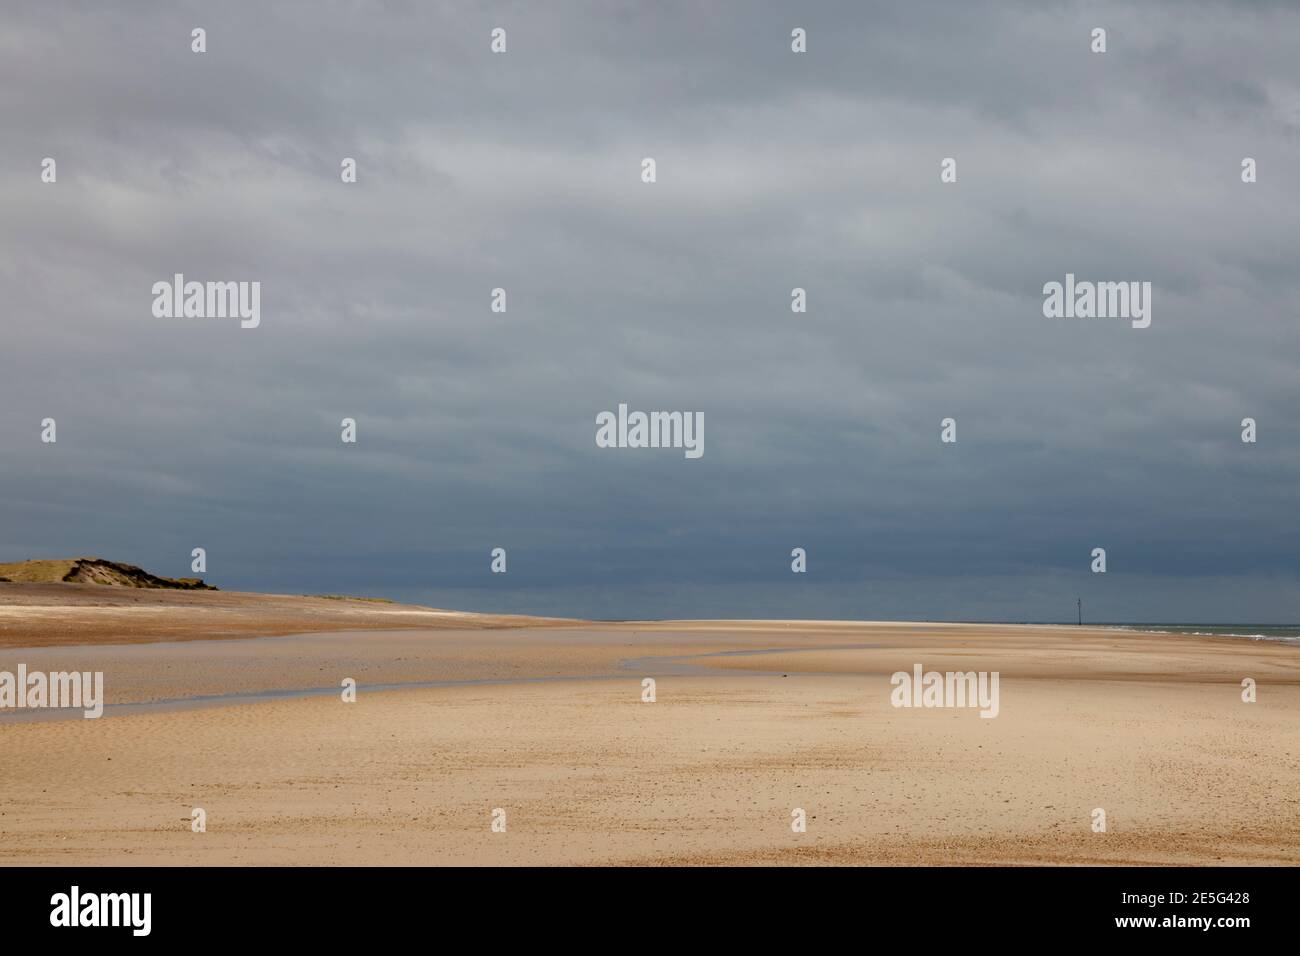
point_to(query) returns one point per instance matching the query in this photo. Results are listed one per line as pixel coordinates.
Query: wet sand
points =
(751, 720)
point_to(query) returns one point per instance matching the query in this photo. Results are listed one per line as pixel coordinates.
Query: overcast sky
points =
(775, 170)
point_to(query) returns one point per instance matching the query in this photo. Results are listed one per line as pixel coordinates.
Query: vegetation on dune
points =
(93, 571)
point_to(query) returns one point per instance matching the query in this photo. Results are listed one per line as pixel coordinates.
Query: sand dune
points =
(93, 571)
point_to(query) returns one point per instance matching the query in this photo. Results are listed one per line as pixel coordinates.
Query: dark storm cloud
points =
(775, 170)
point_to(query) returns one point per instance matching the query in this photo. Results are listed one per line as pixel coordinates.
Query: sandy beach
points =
(459, 716)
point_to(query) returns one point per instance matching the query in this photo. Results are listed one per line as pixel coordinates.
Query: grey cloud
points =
(775, 171)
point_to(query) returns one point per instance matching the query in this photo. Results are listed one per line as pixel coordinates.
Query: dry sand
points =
(44, 615)
(752, 719)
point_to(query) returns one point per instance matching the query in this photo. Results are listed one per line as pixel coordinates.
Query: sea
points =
(1286, 633)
